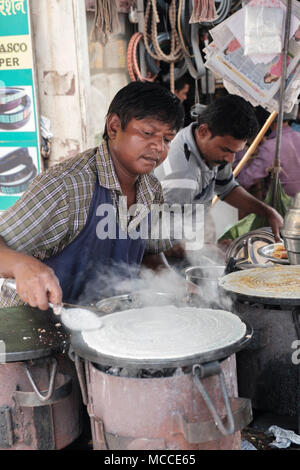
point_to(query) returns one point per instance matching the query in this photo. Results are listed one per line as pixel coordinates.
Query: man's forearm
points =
(241, 199)
(8, 259)
(36, 282)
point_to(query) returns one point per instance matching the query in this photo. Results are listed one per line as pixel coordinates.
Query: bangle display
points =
(17, 166)
(20, 172)
(18, 186)
(10, 98)
(19, 118)
(16, 171)
(14, 158)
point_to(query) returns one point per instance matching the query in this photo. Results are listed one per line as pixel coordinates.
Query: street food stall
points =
(181, 360)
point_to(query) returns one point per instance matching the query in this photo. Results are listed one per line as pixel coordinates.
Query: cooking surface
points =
(279, 282)
(164, 333)
(28, 333)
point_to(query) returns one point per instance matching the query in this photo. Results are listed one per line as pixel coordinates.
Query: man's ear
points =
(203, 130)
(113, 124)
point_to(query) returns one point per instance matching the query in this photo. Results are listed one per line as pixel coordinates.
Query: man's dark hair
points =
(140, 100)
(180, 83)
(230, 115)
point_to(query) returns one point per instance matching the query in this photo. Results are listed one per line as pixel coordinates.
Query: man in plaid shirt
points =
(50, 239)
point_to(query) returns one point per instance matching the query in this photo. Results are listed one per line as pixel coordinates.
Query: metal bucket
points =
(205, 279)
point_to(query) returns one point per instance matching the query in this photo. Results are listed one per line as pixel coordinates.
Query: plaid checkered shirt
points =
(54, 209)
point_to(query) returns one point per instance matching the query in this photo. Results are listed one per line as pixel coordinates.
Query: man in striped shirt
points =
(80, 221)
(200, 157)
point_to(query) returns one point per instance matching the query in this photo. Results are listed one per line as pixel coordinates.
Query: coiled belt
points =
(16, 171)
(10, 99)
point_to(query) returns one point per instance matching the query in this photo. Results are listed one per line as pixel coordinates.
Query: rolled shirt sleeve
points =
(39, 221)
(225, 181)
(179, 188)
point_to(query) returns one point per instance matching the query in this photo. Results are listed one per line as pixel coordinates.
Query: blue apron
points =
(89, 269)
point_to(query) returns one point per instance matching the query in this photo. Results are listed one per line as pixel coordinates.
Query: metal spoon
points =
(92, 320)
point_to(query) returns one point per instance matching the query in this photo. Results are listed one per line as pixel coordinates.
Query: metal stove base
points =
(265, 370)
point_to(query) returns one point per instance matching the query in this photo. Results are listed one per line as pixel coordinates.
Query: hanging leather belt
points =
(18, 186)
(12, 98)
(14, 158)
(16, 171)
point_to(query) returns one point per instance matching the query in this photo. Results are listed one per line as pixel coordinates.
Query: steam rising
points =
(120, 279)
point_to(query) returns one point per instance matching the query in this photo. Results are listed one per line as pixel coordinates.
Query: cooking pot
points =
(291, 231)
(205, 279)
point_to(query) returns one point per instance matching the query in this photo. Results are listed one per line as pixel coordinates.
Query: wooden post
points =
(141, 26)
(251, 149)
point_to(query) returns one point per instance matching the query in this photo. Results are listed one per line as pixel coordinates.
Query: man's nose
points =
(158, 143)
(229, 157)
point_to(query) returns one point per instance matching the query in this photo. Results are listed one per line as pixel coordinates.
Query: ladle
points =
(89, 318)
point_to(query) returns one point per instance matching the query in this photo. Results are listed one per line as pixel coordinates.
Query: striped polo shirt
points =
(185, 177)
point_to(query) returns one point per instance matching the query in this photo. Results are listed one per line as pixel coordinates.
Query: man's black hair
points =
(180, 83)
(230, 115)
(140, 100)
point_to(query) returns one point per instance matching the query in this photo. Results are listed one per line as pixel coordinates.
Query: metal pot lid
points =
(245, 249)
(274, 284)
(27, 333)
(212, 272)
(162, 337)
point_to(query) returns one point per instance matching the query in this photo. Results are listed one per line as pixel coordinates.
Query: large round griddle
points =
(27, 333)
(276, 285)
(163, 337)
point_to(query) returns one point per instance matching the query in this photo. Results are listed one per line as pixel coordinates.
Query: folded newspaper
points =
(255, 77)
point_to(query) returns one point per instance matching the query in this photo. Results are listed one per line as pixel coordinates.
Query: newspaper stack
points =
(255, 77)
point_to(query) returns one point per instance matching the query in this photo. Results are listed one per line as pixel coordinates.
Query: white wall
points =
(224, 216)
(108, 68)
(63, 78)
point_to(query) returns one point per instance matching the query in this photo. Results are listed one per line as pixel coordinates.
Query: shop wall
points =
(108, 71)
(63, 78)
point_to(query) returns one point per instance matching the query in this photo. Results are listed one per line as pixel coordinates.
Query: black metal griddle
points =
(28, 333)
(125, 302)
(283, 300)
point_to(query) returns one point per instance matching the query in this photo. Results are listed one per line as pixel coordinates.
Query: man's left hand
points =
(241, 199)
(276, 222)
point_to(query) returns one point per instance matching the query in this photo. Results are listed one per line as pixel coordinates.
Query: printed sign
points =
(19, 130)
